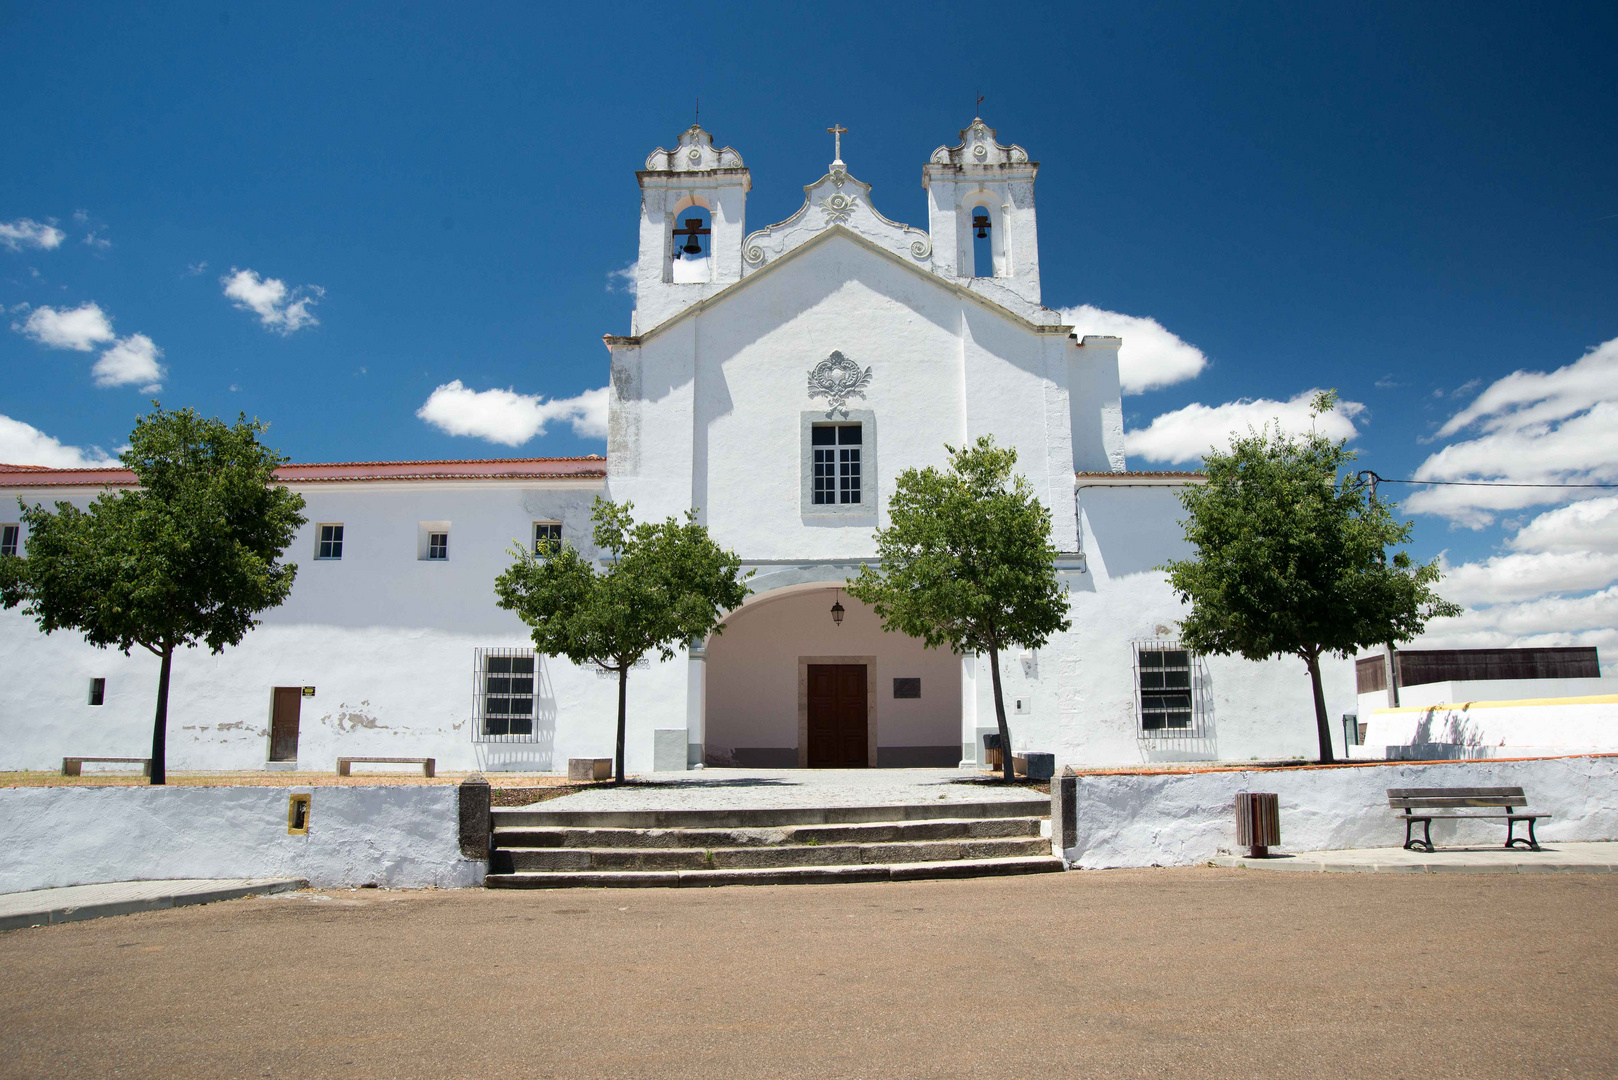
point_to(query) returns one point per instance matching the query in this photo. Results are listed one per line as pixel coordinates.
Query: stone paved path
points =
(39, 907)
(761, 789)
(1566, 857)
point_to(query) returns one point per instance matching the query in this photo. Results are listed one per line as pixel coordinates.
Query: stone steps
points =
(526, 836)
(548, 849)
(772, 856)
(795, 875)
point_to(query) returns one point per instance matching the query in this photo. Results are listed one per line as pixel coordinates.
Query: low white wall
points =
(1500, 728)
(402, 836)
(1187, 818)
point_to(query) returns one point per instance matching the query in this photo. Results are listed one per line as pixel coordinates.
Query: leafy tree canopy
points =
(1291, 557)
(967, 561)
(665, 584)
(189, 557)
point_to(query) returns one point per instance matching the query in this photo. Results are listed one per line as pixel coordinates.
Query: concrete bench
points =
(1427, 800)
(74, 766)
(428, 765)
(589, 768)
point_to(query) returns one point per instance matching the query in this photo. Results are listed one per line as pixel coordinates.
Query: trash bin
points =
(1258, 822)
(991, 750)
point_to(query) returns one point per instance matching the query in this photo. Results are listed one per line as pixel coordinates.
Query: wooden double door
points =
(838, 720)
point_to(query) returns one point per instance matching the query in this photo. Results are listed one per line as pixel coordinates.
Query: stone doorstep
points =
(765, 818)
(523, 836)
(808, 875)
(773, 857)
(75, 903)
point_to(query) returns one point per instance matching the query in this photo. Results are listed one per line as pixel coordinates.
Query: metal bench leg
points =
(1412, 844)
(1530, 841)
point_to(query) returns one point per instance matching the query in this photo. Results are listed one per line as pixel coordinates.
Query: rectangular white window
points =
(9, 535)
(331, 542)
(837, 450)
(504, 695)
(547, 537)
(438, 545)
(1165, 688)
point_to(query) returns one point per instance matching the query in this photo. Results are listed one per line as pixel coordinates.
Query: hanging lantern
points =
(980, 222)
(837, 609)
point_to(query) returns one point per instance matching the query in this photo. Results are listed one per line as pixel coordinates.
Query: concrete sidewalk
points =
(1555, 856)
(37, 907)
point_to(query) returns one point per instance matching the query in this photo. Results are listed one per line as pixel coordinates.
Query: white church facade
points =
(777, 382)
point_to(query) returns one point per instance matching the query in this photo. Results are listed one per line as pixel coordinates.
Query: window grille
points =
(331, 542)
(547, 537)
(837, 462)
(1168, 690)
(438, 545)
(505, 684)
(8, 539)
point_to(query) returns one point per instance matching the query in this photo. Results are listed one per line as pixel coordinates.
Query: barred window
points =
(504, 694)
(547, 537)
(1165, 688)
(837, 462)
(331, 542)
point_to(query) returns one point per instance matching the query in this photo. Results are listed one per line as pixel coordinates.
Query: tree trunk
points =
(623, 687)
(1007, 773)
(160, 726)
(1322, 725)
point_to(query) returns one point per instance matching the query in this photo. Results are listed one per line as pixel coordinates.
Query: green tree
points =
(665, 583)
(1291, 557)
(189, 557)
(967, 561)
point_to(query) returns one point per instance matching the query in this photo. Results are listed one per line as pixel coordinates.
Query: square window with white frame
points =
(547, 537)
(504, 694)
(330, 545)
(1166, 688)
(10, 537)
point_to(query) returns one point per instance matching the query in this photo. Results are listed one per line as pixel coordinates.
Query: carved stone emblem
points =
(836, 378)
(837, 207)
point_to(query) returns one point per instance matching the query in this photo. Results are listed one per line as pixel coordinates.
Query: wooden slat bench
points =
(428, 765)
(74, 766)
(1418, 804)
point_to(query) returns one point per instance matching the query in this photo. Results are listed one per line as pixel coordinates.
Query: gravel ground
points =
(1192, 972)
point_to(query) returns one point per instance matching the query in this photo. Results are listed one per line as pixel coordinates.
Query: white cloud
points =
(622, 280)
(1546, 622)
(1531, 427)
(1150, 357)
(99, 243)
(1591, 525)
(131, 362)
(24, 444)
(510, 418)
(81, 328)
(1186, 434)
(278, 308)
(1527, 575)
(26, 232)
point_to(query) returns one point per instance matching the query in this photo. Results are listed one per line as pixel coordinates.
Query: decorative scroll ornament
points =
(835, 379)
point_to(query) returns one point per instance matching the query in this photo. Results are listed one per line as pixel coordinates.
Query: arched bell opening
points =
(788, 685)
(691, 244)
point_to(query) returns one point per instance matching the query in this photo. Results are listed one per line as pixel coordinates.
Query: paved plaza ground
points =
(1198, 972)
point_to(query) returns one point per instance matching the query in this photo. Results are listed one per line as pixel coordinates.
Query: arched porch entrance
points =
(787, 687)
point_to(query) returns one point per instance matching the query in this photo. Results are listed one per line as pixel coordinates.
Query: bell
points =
(693, 246)
(980, 222)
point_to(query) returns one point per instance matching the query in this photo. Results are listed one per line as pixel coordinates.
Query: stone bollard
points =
(475, 798)
(1064, 813)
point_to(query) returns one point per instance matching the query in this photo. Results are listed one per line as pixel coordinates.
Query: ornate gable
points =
(836, 199)
(978, 147)
(693, 153)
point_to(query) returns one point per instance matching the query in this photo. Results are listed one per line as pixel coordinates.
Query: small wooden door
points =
(837, 716)
(284, 723)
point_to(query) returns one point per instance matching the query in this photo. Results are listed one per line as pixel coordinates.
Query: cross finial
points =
(978, 108)
(837, 131)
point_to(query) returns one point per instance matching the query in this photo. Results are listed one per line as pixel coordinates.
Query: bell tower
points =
(693, 202)
(980, 201)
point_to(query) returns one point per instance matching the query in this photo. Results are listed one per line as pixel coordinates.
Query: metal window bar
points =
(505, 684)
(1169, 695)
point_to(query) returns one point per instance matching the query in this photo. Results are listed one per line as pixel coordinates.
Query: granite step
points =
(570, 859)
(776, 817)
(524, 836)
(793, 875)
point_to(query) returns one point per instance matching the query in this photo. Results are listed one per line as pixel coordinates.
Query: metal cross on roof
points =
(837, 131)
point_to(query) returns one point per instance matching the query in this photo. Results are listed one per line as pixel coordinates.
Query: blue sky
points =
(1406, 202)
